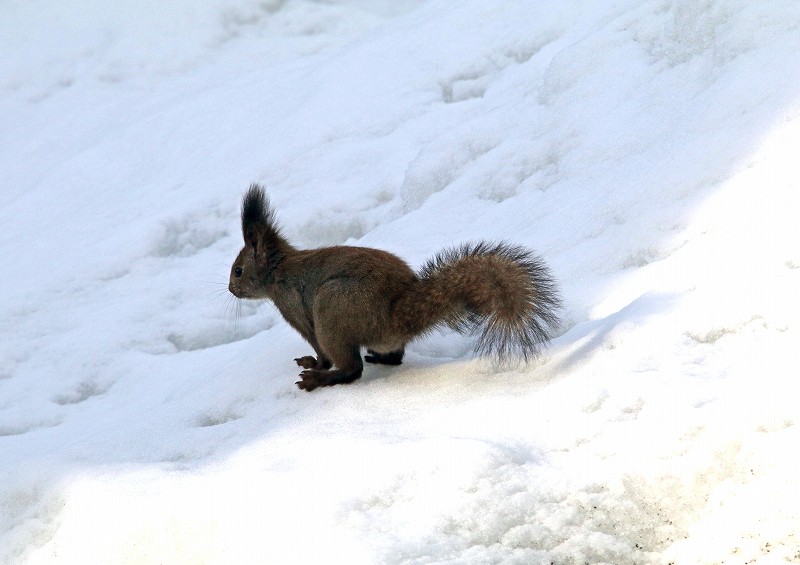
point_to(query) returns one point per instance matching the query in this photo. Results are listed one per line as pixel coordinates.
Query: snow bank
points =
(646, 149)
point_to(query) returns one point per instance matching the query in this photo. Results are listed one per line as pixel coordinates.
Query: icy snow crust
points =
(647, 149)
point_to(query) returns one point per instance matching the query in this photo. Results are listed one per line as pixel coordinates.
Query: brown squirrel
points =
(342, 298)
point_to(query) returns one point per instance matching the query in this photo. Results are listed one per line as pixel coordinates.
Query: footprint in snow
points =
(83, 392)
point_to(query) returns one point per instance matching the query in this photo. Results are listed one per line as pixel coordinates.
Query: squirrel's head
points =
(264, 249)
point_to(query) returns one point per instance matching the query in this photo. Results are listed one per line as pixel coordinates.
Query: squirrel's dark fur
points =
(343, 298)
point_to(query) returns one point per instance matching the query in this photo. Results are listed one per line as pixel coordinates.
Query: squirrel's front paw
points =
(310, 362)
(307, 362)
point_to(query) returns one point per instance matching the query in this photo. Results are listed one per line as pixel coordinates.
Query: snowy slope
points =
(648, 150)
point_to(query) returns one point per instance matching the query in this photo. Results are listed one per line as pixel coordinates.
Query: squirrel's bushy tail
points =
(502, 292)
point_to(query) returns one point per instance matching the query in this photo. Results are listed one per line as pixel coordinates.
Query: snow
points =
(648, 150)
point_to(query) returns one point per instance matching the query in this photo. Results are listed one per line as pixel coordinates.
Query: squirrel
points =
(343, 298)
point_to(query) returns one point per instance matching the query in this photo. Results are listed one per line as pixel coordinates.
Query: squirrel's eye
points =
(237, 271)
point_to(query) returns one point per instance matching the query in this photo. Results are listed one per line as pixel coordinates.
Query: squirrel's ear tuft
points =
(256, 213)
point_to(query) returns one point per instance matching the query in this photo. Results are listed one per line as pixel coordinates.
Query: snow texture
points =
(646, 149)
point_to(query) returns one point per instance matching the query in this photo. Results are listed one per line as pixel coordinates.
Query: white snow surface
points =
(648, 150)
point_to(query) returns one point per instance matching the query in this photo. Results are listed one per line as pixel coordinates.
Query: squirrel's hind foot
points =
(391, 358)
(313, 378)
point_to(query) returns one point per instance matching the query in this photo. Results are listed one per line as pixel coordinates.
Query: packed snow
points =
(648, 150)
